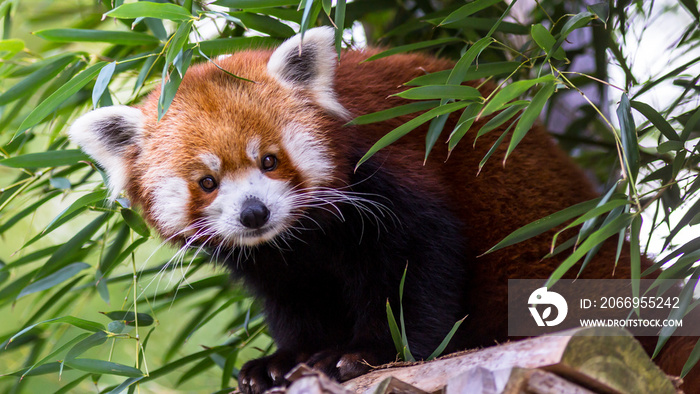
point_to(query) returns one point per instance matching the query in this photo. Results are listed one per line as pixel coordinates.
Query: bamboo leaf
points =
(685, 298)
(546, 41)
(405, 128)
(630, 145)
(108, 36)
(37, 79)
(446, 341)
(413, 47)
(511, 92)
(592, 241)
(130, 318)
(458, 92)
(656, 119)
(469, 9)
(59, 96)
(255, 3)
(529, 116)
(547, 223)
(102, 367)
(73, 321)
(101, 82)
(46, 159)
(54, 279)
(394, 112)
(168, 11)
(465, 122)
(480, 71)
(135, 221)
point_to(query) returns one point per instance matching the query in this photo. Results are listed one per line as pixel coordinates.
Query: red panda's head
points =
(231, 160)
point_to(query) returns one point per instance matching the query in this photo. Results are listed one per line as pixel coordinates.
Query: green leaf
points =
(124, 254)
(465, 122)
(458, 92)
(37, 79)
(394, 328)
(635, 257)
(628, 131)
(82, 202)
(81, 347)
(109, 36)
(168, 11)
(73, 321)
(529, 116)
(546, 41)
(460, 70)
(407, 356)
(103, 367)
(413, 47)
(177, 42)
(59, 96)
(595, 239)
(669, 146)
(469, 9)
(70, 248)
(405, 128)
(541, 225)
(255, 3)
(446, 341)
(499, 119)
(170, 82)
(264, 24)
(233, 44)
(124, 385)
(602, 10)
(510, 92)
(494, 147)
(28, 210)
(693, 359)
(68, 388)
(101, 83)
(339, 21)
(685, 298)
(46, 159)
(483, 70)
(11, 47)
(576, 22)
(56, 352)
(135, 221)
(130, 318)
(394, 112)
(54, 279)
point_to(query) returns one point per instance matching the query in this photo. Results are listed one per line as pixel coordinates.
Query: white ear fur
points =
(105, 134)
(309, 65)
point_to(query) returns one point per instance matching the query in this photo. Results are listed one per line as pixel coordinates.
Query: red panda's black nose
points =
(254, 213)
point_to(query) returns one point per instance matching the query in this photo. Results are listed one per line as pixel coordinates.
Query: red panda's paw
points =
(257, 376)
(340, 365)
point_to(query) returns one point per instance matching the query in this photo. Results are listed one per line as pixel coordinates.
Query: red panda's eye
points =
(269, 162)
(208, 184)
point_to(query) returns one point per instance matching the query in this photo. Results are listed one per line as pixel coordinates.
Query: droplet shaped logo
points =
(542, 296)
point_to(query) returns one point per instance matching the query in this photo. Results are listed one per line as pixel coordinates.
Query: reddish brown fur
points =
(537, 180)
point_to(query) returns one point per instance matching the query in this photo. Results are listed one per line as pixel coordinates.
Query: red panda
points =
(263, 174)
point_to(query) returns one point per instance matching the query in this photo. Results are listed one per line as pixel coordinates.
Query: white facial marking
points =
(253, 149)
(170, 200)
(212, 161)
(225, 211)
(308, 154)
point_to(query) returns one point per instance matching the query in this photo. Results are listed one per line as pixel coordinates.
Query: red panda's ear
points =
(309, 65)
(106, 134)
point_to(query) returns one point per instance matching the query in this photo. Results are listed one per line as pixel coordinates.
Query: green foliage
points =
(64, 260)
